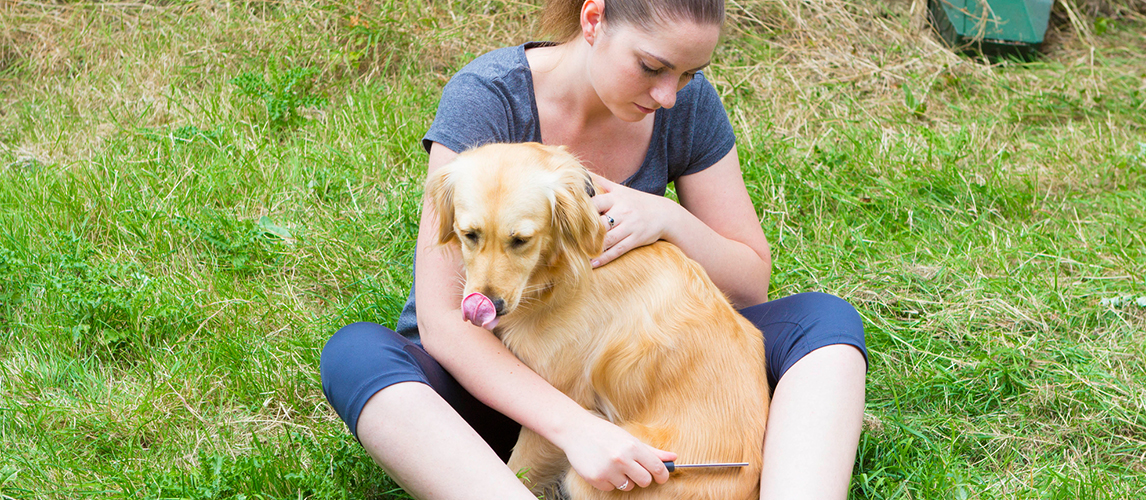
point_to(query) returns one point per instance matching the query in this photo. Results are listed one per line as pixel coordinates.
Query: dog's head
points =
(522, 215)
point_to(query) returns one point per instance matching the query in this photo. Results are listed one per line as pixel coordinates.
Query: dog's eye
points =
(472, 236)
(517, 242)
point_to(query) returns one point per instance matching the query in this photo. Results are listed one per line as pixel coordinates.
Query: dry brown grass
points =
(834, 64)
(106, 67)
(824, 60)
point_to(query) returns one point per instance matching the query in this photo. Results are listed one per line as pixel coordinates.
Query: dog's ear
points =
(440, 191)
(580, 235)
(571, 160)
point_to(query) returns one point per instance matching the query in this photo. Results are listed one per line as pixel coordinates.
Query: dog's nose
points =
(499, 306)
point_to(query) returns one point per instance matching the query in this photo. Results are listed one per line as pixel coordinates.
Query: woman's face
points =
(635, 72)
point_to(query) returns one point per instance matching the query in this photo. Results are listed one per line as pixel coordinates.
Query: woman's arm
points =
(723, 232)
(601, 452)
(715, 224)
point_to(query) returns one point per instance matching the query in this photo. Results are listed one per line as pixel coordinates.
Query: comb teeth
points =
(672, 466)
(741, 464)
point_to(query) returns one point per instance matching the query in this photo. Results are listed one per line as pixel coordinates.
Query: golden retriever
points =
(646, 341)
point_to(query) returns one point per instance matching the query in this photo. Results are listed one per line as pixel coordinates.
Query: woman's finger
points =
(648, 466)
(639, 476)
(603, 202)
(612, 237)
(606, 185)
(612, 252)
(619, 484)
(626, 485)
(656, 467)
(609, 222)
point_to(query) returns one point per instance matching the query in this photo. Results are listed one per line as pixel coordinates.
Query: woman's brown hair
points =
(561, 19)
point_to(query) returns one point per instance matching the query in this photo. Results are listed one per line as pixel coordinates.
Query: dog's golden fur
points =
(646, 341)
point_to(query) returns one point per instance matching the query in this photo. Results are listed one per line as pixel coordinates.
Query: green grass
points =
(194, 196)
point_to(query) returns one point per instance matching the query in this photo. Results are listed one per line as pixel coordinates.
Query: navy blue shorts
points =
(364, 358)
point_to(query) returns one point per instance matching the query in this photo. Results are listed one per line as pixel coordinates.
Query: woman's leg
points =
(426, 447)
(817, 366)
(814, 426)
(430, 435)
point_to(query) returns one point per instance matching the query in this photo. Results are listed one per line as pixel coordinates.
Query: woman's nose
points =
(664, 92)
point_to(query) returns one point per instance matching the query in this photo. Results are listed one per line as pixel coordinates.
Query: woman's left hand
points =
(634, 218)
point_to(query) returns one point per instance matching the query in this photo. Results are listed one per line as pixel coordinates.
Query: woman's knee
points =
(830, 311)
(361, 359)
(842, 320)
(362, 351)
(343, 345)
(796, 325)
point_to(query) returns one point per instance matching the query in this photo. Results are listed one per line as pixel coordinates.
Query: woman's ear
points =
(440, 191)
(592, 13)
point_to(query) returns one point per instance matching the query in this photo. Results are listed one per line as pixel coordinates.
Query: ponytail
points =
(561, 19)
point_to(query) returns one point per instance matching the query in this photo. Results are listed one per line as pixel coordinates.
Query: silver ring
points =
(623, 486)
(611, 224)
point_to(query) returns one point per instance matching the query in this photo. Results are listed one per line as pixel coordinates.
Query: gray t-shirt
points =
(491, 100)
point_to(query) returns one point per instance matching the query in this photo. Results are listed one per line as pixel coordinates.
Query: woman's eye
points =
(647, 69)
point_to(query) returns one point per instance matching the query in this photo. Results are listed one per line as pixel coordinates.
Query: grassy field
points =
(195, 194)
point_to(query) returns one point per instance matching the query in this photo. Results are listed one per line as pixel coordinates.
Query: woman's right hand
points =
(607, 456)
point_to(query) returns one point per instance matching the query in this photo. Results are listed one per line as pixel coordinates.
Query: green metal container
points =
(992, 27)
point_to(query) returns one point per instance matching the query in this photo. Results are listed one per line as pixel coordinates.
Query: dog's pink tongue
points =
(479, 310)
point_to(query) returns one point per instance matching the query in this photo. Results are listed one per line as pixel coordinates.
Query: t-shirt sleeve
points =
(473, 111)
(712, 135)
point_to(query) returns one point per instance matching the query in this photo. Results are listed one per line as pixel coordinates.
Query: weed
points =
(110, 306)
(237, 245)
(14, 283)
(287, 92)
(916, 106)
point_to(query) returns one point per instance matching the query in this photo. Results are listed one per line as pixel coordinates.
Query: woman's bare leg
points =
(814, 426)
(426, 447)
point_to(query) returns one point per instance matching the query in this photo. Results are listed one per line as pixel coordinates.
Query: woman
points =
(439, 407)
